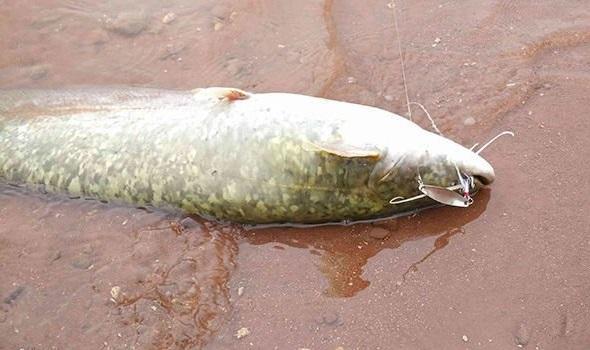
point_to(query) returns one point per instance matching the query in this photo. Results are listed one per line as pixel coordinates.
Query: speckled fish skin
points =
(269, 158)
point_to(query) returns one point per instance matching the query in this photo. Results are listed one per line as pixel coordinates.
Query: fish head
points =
(413, 160)
(436, 166)
(449, 156)
(447, 171)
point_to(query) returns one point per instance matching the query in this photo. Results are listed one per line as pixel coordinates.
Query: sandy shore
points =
(511, 271)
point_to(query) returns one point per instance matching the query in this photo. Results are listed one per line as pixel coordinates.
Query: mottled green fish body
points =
(225, 154)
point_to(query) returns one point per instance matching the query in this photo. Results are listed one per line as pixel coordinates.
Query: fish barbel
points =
(222, 153)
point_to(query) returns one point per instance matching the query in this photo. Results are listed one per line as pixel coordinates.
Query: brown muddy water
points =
(511, 271)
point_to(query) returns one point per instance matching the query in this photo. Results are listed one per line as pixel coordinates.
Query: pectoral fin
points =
(346, 151)
(383, 170)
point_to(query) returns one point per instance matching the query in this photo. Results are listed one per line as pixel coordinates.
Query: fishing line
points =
(399, 47)
(403, 66)
(428, 115)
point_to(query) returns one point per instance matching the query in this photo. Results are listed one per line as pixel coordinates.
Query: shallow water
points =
(512, 269)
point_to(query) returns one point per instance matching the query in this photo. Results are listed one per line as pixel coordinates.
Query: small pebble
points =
(240, 291)
(11, 298)
(331, 318)
(128, 23)
(567, 324)
(169, 18)
(82, 262)
(379, 233)
(465, 339)
(38, 72)
(242, 332)
(217, 26)
(191, 224)
(115, 292)
(97, 37)
(522, 335)
(469, 121)
(56, 255)
(351, 80)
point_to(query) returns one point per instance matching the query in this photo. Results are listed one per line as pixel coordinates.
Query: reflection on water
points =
(344, 251)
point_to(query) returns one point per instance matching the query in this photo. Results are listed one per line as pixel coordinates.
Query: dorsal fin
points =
(222, 93)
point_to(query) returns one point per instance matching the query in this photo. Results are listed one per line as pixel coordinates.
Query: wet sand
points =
(511, 270)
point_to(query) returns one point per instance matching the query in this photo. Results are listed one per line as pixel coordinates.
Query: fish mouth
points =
(481, 170)
(482, 180)
(478, 182)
